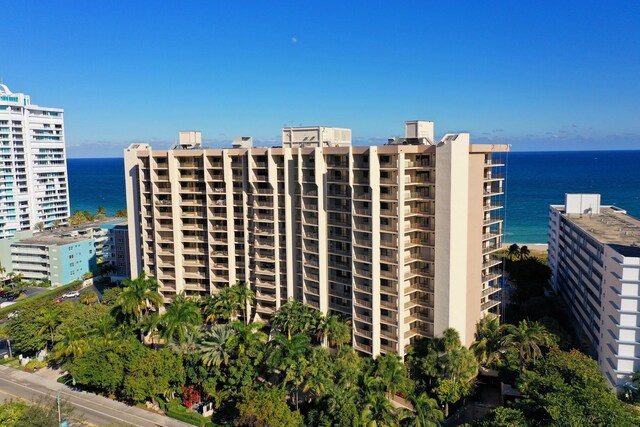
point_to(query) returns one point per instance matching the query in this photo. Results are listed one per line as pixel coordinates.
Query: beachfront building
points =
(400, 237)
(594, 255)
(33, 168)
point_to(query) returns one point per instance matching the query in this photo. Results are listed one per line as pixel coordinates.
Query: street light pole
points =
(73, 381)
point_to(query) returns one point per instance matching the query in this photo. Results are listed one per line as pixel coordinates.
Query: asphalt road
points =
(94, 409)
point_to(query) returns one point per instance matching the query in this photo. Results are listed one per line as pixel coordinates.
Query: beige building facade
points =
(399, 238)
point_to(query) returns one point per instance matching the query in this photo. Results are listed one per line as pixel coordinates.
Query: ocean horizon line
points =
(613, 150)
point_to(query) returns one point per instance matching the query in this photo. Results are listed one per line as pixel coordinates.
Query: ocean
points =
(534, 181)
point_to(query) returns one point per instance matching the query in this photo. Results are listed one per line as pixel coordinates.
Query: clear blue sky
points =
(541, 75)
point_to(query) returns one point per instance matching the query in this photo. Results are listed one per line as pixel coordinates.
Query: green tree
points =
(319, 375)
(137, 298)
(101, 212)
(288, 359)
(527, 340)
(88, 297)
(121, 213)
(245, 298)
(266, 407)
(182, 316)
(72, 343)
(567, 389)
(448, 367)
(101, 367)
(294, 317)
(503, 417)
(514, 250)
(390, 369)
(40, 226)
(427, 412)
(215, 346)
(50, 319)
(150, 374)
(337, 407)
(378, 411)
(248, 339)
(489, 344)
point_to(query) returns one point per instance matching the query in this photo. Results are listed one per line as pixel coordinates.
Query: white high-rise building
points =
(33, 165)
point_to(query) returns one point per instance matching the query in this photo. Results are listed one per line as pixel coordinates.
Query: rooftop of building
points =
(612, 226)
(67, 235)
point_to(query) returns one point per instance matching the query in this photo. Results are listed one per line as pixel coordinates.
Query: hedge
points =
(53, 293)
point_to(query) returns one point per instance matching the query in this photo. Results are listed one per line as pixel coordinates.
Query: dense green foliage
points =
(300, 370)
(40, 414)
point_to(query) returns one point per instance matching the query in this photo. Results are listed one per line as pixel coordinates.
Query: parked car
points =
(72, 294)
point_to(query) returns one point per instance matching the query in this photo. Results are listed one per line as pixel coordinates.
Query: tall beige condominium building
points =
(397, 237)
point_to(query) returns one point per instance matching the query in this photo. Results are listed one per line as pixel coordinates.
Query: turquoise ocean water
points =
(534, 181)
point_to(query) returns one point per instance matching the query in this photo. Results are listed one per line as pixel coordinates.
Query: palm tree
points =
(527, 339)
(40, 226)
(186, 347)
(427, 412)
(289, 357)
(489, 344)
(101, 212)
(137, 298)
(392, 373)
(320, 375)
(245, 297)
(50, 320)
(181, 317)
(514, 250)
(225, 305)
(214, 346)
(378, 412)
(295, 317)
(524, 252)
(248, 339)
(207, 307)
(2, 270)
(150, 328)
(73, 343)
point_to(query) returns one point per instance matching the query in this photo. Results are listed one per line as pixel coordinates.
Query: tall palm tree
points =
(72, 343)
(393, 374)
(248, 339)
(50, 319)
(181, 316)
(427, 412)
(208, 310)
(489, 344)
(150, 328)
(288, 357)
(214, 346)
(137, 298)
(245, 297)
(320, 375)
(527, 339)
(226, 306)
(524, 252)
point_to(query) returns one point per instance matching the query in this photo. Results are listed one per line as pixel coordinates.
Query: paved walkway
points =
(92, 408)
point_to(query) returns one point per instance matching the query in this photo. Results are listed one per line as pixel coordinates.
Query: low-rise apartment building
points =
(400, 238)
(65, 254)
(594, 255)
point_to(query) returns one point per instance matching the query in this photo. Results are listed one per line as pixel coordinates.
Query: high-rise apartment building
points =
(400, 238)
(594, 255)
(33, 167)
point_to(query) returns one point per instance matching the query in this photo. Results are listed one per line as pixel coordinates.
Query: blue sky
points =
(539, 75)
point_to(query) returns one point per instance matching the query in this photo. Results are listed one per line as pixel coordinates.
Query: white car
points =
(72, 294)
